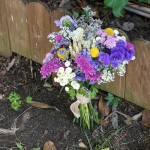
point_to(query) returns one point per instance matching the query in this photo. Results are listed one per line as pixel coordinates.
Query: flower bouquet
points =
(83, 56)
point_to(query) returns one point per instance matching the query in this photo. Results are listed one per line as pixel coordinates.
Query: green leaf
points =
(117, 6)
(28, 99)
(72, 93)
(144, 1)
(19, 146)
(38, 148)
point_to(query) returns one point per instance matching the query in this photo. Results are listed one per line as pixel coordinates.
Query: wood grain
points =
(116, 87)
(4, 32)
(138, 75)
(39, 28)
(18, 27)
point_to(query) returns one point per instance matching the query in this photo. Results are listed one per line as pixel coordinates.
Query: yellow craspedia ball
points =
(94, 52)
(109, 31)
(62, 53)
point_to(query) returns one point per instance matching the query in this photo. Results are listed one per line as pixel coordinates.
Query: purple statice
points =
(129, 54)
(50, 67)
(49, 56)
(87, 69)
(63, 43)
(95, 77)
(104, 58)
(80, 77)
(94, 62)
(66, 21)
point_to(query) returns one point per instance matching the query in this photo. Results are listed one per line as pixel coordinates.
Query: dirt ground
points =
(36, 125)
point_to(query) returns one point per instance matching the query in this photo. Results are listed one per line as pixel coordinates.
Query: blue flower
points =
(66, 21)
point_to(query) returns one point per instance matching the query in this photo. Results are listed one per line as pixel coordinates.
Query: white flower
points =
(68, 70)
(62, 83)
(76, 86)
(66, 89)
(61, 69)
(55, 79)
(98, 38)
(123, 38)
(73, 83)
(116, 32)
(67, 63)
(133, 58)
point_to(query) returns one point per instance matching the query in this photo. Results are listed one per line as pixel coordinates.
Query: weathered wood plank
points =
(39, 28)
(117, 87)
(56, 15)
(18, 27)
(138, 76)
(4, 32)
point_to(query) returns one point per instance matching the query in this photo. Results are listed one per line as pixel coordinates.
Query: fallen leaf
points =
(103, 108)
(106, 148)
(3, 72)
(146, 118)
(47, 85)
(1, 96)
(104, 122)
(82, 145)
(49, 145)
(128, 26)
(114, 117)
(42, 105)
(11, 64)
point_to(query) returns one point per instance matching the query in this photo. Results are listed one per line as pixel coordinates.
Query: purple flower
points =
(80, 77)
(50, 67)
(66, 21)
(129, 54)
(58, 38)
(104, 58)
(87, 69)
(49, 56)
(110, 42)
(130, 46)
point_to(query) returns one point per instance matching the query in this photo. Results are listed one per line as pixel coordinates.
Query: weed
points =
(28, 99)
(14, 98)
(112, 100)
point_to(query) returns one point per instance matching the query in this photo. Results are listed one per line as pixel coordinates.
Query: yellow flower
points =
(62, 53)
(94, 52)
(109, 31)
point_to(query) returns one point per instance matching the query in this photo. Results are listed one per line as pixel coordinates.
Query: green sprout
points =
(28, 99)
(14, 98)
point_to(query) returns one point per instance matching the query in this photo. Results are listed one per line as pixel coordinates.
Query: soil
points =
(37, 125)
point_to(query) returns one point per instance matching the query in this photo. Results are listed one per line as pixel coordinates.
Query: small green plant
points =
(117, 6)
(28, 99)
(19, 146)
(112, 100)
(14, 98)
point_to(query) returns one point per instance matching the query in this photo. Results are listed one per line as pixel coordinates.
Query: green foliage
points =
(117, 6)
(28, 99)
(14, 98)
(38, 148)
(72, 93)
(112, 100)
(19, 146)
(94, 90)
(144, 1)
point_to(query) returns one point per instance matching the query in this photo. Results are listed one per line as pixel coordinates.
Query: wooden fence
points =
(24, 30)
